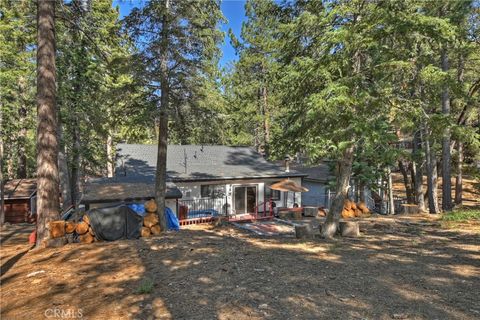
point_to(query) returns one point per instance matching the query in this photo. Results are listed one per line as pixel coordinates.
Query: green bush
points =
(462, 215)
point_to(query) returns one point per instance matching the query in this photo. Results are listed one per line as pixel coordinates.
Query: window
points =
(212, 190)
(271, 194)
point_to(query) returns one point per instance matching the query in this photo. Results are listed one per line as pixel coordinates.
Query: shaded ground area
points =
(401, 268)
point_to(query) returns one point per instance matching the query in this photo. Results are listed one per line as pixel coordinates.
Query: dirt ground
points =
(400, 268)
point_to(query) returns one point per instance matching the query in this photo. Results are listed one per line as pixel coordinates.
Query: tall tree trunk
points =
(432, 182)
(22, 134)
(76, 162)
(2, 194)
(161, 174)
(63, 169)
(343, 178)
(446, 155)
(419, 169)
(459, 177)
(47, 145)
(110, 155)
(266, 121)
(391, 202)
(406, 181)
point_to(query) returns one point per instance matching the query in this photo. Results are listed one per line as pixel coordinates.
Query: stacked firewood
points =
(150, 221)
(352, 209)
(62, 228)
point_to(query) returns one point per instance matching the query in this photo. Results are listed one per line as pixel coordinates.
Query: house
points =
(213, 179)
(316, 181)
(20, 200)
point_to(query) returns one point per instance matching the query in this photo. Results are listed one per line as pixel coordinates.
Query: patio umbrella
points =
(288, 185)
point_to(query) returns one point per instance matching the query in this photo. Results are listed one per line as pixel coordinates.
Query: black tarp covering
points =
(115, 223)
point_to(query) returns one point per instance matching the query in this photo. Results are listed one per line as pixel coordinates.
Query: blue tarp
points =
(172, 221)
(139, 208)
(202, 213)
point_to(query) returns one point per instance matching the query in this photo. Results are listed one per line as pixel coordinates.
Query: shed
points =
(20, 200)
(113, 191)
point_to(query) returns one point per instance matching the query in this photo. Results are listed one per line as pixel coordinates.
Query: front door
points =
(245, 199)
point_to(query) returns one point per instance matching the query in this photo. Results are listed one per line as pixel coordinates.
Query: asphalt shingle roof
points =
(195, 162)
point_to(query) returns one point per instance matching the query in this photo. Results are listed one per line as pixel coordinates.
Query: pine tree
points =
(177, 49)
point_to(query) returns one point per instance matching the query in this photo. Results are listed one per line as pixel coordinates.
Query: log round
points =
(70, 226)
(57, 229)
(151, 206)
(81, 228)
(304, 231)
(150, 220)
(156, 230)
(349, 229)
(86, 219)
(86, 238)
(145, 232)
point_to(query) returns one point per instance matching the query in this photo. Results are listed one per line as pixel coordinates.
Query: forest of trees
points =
(337, 80)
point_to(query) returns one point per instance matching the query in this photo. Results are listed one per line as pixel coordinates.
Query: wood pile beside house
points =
(352, 209)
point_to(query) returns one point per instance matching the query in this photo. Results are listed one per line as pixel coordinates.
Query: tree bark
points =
(63, 173)
(432, 182)
(391, 202)
(446, 155)
(419, 169)
(343, 178)
(22, 134)
(110, 155)
(459, 177)
(266, 121)
(2, 194)
(76, 160)
(47, 145)
(161, 174)
(406, 181)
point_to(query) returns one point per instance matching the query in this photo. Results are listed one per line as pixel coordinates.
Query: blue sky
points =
(233, 10)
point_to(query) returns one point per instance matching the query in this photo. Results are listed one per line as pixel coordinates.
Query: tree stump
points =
(349, 229)
(410, 208)
(310, 211)
(304, 231)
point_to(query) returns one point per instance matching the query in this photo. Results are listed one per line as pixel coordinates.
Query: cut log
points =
(346, 214)
(410, 208)
(57, 229)
(151, 206)
(304, 231)
(90, 230)
(86, 238)
(156, 230)
(70, 226)
(81, 228)
(353, 206)
(145, 232)
(86, 219)
(362, 206)
(347, 205)
(358, 213)
(349, 229)
(150, 220)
